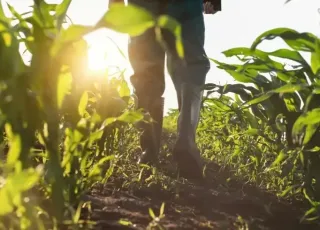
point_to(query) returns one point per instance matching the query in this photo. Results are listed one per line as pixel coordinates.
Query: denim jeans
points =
(147, 56)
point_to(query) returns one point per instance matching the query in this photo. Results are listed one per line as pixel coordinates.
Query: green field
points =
(69, 145)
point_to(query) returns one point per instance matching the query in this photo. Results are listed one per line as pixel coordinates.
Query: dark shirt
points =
(216, 3)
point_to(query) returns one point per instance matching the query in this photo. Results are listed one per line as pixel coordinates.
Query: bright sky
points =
(238, 24)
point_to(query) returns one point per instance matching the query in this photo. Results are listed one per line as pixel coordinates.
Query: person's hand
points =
(208, 8)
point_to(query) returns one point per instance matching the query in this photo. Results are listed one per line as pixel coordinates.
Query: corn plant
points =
(281, 88)
(61, 130)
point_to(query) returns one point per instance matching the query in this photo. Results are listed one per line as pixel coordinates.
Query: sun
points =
(97, 59)
(103, 51)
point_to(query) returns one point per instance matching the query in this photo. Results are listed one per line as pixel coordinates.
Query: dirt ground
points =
(214, 206)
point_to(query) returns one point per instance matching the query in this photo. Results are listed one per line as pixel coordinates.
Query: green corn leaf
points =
(24, 180)
(14, 145)
(74, 33)
(64, 87)
(240, 77)
(130, 117)
(171, 24)
(6, 203)
(259, 99)
(288, 54)
(281, 156)
(310, 118)
(151, 213)
(97, 168)
(42, 12)
(61, 12)
(118, 48)
(283, 77)
(124, 90)
(3, 17)
(315, 58)
(252, 132)
(251, 119)
(246, 52)
(297, 41)
(129, 19)
(310, 131)
(83, 104)
(218, 104)
(10, 193)
(162, 209)
(290, 88)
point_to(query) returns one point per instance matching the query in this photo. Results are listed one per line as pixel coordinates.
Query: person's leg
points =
(147, 60)
(189, 78)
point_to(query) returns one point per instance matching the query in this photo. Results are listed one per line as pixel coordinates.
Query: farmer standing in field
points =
(147, 58)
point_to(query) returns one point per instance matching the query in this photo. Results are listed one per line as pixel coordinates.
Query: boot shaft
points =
(191, 98)
(151, 132)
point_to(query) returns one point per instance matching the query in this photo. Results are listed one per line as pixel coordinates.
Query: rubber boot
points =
(150, 138)
(185, 151)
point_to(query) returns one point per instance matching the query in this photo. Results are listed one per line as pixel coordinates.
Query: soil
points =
(214, 206)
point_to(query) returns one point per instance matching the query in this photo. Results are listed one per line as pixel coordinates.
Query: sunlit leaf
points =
(24, 180)
(252, 132)
(310, 131)
(83, 104)
(124, 90)
(74, 33)
(61, 11)
(77, 214)
(3, 17)
(10, 193)
(162, 209)
(171, 24)
(118, 48)
(151, 213)
(130, 117)
(14, 145)
(42, 10)
(6, 203)
(64, 86)
(130, 19)
(96, 169)
(307, 119)
(6, 36)
(281, 156)
(125, 222)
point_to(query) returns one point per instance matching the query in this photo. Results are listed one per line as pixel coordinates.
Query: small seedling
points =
(156, 220)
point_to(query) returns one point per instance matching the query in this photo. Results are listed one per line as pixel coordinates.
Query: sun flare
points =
(103, 52)
(97, 59)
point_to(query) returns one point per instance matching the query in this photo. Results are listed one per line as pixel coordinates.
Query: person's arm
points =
(211, 6)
